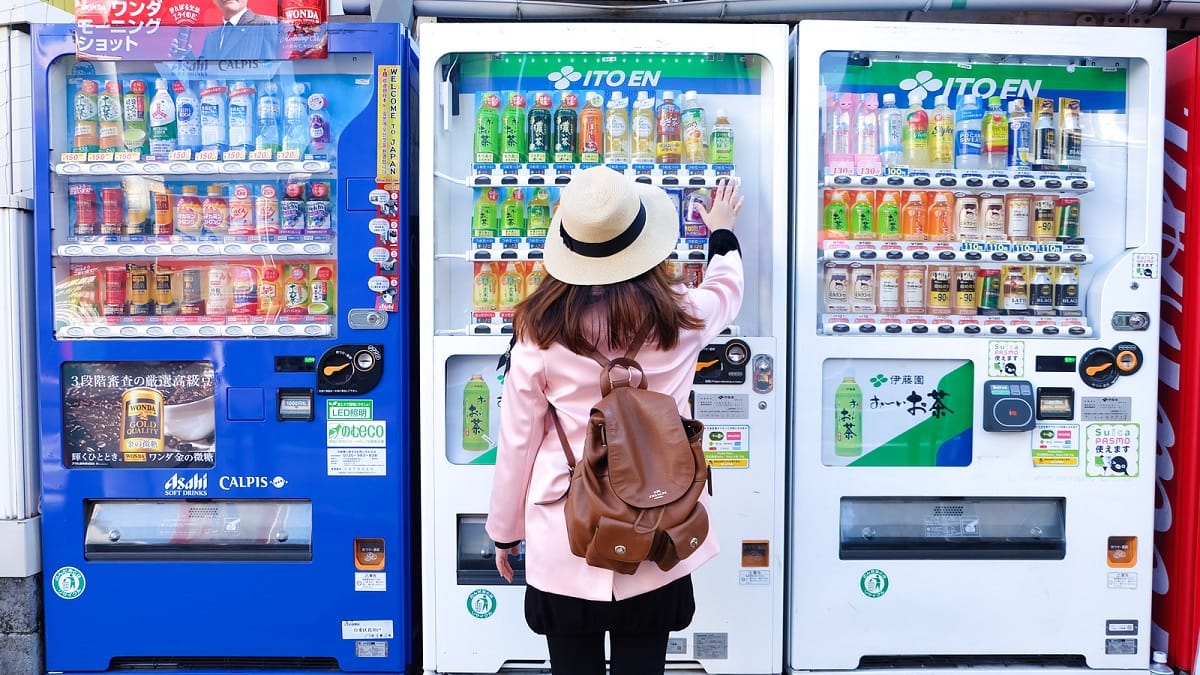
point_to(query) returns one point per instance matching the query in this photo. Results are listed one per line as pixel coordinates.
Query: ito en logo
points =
(924, 84)
(879, 380)
(565, 77)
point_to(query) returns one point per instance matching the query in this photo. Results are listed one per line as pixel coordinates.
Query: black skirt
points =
(666, 608)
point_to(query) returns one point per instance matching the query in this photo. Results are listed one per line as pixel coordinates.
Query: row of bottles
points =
(252, 289)
(863, 138)
(144, 207)
(212, 120)
(665, 132)
(916, 215)
(941, 289)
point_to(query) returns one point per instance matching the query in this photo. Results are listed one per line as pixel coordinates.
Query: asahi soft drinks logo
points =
(926, 86)
(567, 76)
(195, 485)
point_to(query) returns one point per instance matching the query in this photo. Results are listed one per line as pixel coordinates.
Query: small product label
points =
(677, 645)
(356, 462)
(1126, 581)
(1120, 646)
(1055, 445)
(711, 645)
(370, 581)
(1006, 358)
(1145, 266)
(727, 447)
(722, 406)
(371, 649)
(1121, 627)
(481, 603)
(349, 409)
(1106, 408)
(368, 630)
(754, 577)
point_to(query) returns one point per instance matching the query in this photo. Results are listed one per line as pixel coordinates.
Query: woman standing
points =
(605, 258)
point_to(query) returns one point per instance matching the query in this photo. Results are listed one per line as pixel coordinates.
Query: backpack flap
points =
(617, 540)
(688, 535)
(646, 479)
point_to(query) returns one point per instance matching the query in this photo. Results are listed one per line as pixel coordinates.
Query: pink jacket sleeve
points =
(718, 299)
(524, 407)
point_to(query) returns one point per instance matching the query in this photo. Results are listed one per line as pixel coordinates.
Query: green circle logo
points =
(873, 583)
(68, 583)
(481, 603)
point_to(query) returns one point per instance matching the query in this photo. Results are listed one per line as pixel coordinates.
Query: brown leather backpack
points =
(636, 494)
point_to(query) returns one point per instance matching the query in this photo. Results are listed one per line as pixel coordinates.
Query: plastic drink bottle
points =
(266, 210)
(219, 301)
(968, 136)
(616, 130)
(912, 218)
(241, 117)
(1158, 664)
(512, 288)
(108, 111)
(477, 406)
(484, 223)
(837, 225)
(866, 126)
(320, 135)
(540, 128)
(642, 146)
(692, 119)
(187, 119)
(888, 217)
(940, 219)
(487, 129)
(720, 140)
(215, 211)
(317, 209)
(566, 129)
(512, 215)
(941, 134)
(295, 120)
(514, 146)
(891, 132)
(670, 141)
(995, 136)
(534, 277)
(162, 120)
(241, 212)
(538, 223)
(87, 121)
(862, 216)
(841, 125)
(1020, 135)
(134, 110)
(591, 128)
(916, 132)
(847, 419)
(267, 115)
(212, 117)
(291, 208)
(484, 297)
(189, 212)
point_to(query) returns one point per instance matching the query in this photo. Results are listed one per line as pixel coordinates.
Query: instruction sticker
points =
(727, 446)
(1106, 408)
(1006, 358)
(754, 577)
(368, 630)
(722, 406)
(370, 581)
(1126, 581)
(356, 462)
(1145, 265)
(349, 409)
(711, 645)
(1112, 450)
(371, 649)
(1056, 445)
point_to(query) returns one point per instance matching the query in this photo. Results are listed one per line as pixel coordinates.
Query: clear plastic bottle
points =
(241, 117)
(891, 132)
(616, 130)
(162, 120)
(841, 125)
(995, 136)
(187, 117)
(1020, 135)
(213, 132)
(692, 117)
(866, 126)
(642, 141)
(295, 120)
(670, 137)
(720, 141)
(941, 134)
(916, 132)
(968, 135)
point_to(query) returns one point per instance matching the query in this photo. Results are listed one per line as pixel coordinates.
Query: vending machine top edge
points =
(223, 271)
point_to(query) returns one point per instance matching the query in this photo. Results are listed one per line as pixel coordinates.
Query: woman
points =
(605, 259)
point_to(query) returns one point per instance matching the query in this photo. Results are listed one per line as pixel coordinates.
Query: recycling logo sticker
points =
(873, 583)
(68, 583)
(481, 603)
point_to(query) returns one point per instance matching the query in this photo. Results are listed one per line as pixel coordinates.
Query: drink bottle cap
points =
(214, 190)
(160, 84)
(995, 100)
(208, 84)
(1159, 657)
(721, 112)
(969, 99)
(915, 97)
(942, 100)
(889, 99)
(1016, 105)
(690, 95)
(668, 95)
(643, 96)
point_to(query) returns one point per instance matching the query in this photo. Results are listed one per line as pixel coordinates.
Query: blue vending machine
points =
(223, 308)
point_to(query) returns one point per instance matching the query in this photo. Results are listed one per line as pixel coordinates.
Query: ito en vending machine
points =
(222, 307)
(1177, 511)
(976, 304)
(507, 115)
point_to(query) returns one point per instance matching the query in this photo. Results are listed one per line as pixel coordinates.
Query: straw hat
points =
(609, 228)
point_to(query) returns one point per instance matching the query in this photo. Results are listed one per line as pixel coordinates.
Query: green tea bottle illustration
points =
(847, 419)
(477, 404)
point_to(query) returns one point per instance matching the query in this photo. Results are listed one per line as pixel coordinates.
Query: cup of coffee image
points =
(191, 421)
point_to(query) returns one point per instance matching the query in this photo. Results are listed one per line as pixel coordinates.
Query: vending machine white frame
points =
(739, 619)
(919, 613)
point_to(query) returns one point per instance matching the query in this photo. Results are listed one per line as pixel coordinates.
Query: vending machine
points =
(976, 311)
(1177, 509)
(223, 355)
(508, 114)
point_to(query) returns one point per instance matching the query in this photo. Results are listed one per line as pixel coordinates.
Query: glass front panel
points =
(198, 199)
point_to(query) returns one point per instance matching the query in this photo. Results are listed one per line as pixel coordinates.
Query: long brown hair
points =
(556, 312)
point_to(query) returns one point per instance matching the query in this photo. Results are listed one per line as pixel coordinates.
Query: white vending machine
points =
(975, 345)
(511, 112)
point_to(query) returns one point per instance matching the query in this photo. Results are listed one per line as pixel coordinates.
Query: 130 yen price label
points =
(1112, 450)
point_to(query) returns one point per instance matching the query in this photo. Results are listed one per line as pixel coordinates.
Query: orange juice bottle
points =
(591, 129)
(912, 218)
(940, 219)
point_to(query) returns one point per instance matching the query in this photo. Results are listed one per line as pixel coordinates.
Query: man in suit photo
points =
(242, 35)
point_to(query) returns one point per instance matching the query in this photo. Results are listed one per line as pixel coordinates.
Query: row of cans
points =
(179, 288)
(139, 206)
(1007, 290)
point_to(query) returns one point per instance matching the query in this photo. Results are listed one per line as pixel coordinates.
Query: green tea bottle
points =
(477, 405)
(847, 419)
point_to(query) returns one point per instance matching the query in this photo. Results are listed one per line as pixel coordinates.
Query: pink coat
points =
(531, 469)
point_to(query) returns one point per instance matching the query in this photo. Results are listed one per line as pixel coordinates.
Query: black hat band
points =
(603, 249)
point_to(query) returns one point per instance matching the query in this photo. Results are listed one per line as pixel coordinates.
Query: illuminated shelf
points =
(505, 175)
(970, 181)
(152, 328)
(101, 248)
(184, 168)
(524, 252)
(502, 325)
(937, 325)
(971, 252)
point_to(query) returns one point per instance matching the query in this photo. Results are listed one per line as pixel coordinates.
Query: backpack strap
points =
(562, 438)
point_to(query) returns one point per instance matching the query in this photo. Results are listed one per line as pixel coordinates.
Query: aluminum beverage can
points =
(993, 217)
(912, 289)
(164, 292)
(1043, 218)
(966, 217)
(193, 293)
(941, 289)
(112, 214)
(1017, 216)
(1066, 218)
(164, 218)
(888, 296)
(139, 290)
(142, 421)
(987, 285)
(837, 288)
(86, 218)
(964, 290)
(115, 279)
